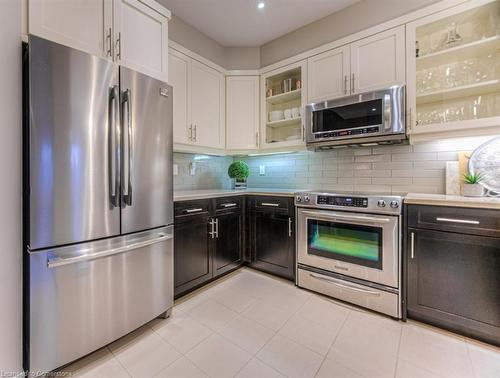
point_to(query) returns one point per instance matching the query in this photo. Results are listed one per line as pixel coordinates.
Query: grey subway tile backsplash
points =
(386, 169)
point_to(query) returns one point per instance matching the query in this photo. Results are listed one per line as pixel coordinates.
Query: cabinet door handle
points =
(461, 221)
(353, 90)
(217, 228)
(412, 245)
(345, 84)
(119, 44)
(212, 231)
(109, 44)
(290, 227)
(270, 204)
(195, 132)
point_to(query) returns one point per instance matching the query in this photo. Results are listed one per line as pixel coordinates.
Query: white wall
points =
(10, 189)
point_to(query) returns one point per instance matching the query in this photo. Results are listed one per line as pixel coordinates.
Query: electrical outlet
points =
(262, 170)
(176, 169)
(192, 169)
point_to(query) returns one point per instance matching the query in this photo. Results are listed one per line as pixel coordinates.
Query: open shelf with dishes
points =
(454, 71)
(282, 106)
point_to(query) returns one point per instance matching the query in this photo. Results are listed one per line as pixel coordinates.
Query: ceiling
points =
(238, 23)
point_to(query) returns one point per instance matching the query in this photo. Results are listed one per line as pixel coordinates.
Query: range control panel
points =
(343, 201)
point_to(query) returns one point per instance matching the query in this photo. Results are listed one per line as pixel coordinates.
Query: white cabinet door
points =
(378, 61)
(242, 112)
(81, 24)
(179, 78)
(207, 105)
(328, 75)
(141, 38)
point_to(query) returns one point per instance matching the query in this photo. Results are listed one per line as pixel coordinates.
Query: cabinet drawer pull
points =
(229, 205)
(461, 221)
(270, 204)
(189, 211)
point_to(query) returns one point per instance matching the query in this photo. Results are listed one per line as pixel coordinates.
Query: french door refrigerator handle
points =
(53, 262)
(114, 158)
(127, 160)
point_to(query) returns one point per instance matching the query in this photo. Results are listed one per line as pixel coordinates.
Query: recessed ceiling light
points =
(261, 5)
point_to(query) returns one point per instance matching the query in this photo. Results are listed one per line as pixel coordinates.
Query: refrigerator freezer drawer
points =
(85, 296)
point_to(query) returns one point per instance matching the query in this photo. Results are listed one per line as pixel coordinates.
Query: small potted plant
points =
(239, 172)
(472, 186)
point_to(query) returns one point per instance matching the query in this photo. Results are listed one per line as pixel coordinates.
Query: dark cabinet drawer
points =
(191, 207)
(277, 203)
(482, 222)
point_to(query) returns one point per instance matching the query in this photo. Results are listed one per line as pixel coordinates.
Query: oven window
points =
(356, 244)
(363, 114)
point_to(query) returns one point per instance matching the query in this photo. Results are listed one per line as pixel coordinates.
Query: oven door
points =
(363, 246)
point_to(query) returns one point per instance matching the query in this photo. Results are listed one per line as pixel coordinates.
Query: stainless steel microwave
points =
(363, 119)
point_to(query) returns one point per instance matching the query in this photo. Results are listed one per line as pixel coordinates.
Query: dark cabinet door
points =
(273, 242)
(228, 246)
(454, 281)
(192, 252)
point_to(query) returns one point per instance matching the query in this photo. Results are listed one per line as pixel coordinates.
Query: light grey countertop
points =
(456, 201)
(186, 195)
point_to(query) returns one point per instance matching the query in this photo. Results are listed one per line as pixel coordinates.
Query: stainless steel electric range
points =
(349, 248)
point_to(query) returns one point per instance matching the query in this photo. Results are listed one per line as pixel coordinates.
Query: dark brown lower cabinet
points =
(454, 279)
(272, 235)
(208, 241)
(228, 246)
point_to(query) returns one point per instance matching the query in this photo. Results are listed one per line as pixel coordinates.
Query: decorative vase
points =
(239, 184)
(473, 190)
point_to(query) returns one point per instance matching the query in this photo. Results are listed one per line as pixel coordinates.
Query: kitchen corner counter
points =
(455, 201)
(186, 195)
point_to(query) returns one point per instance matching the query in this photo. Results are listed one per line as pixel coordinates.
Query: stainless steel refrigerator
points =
(98, 202)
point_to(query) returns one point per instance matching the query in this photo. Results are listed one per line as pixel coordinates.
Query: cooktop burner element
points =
(358, 202)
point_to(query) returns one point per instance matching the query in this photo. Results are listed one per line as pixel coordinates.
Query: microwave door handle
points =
(387, 113)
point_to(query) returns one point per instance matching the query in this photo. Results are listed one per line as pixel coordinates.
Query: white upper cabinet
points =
(179, 78)
(242, 112)
(141, 38)
(378, 61)
(328, 75)
(371, 63)
(207, 106)
(131, 32)
(81, 24)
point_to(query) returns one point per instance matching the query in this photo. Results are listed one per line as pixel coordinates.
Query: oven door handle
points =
(344, 285)
(354, 218)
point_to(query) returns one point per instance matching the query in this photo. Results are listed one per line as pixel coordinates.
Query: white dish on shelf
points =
(276, 115)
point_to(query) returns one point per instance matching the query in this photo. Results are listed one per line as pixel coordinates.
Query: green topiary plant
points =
(238, 170)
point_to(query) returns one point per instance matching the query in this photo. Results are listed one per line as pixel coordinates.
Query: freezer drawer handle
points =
(58, 261)
(462, 221)
(344, 285)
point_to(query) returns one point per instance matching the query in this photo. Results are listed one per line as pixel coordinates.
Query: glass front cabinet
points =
(453, 60)
(283, 99)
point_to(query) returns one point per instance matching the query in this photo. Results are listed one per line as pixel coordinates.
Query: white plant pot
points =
(473, 190)
(239, 184)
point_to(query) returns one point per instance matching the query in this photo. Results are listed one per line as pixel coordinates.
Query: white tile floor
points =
(249, 324)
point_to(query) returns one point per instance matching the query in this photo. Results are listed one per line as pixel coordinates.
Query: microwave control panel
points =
(343, 133)
(343, 201)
